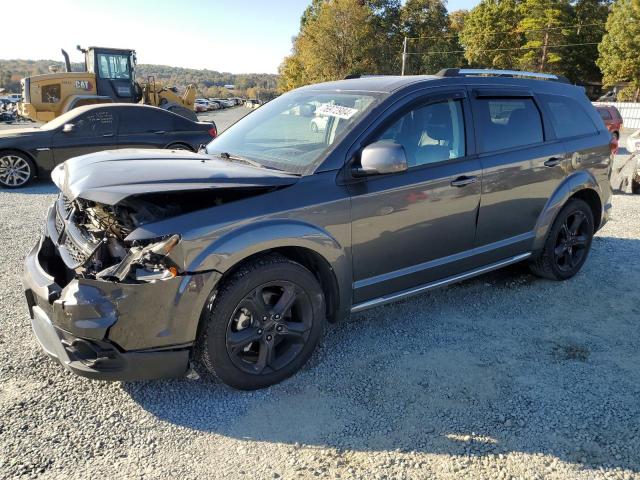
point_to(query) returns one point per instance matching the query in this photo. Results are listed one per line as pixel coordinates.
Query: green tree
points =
(543, 24)
(619, 50)
(426, 24)
(490, 35)
(456, 25)
(589, 18)
(387, 24)
(337, 38)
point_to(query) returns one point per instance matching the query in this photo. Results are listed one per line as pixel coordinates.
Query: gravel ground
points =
(503, 376)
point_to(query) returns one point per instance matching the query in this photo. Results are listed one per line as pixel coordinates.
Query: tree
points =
(456, 25)
(544, 25)
(490, 34)
(387, 24)
(619, 59)
(588, 29)
(426, 24)
(337, 38)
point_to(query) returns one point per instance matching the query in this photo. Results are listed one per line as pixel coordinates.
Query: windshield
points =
(295, 131)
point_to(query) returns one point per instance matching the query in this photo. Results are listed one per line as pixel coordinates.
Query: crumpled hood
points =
(110, 176)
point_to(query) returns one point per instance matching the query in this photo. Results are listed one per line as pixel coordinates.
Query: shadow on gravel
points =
(39, 186)
(501, 363)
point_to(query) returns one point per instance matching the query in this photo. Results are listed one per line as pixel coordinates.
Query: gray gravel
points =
(503, 376)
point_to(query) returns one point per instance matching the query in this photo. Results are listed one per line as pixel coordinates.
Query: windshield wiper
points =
(236, 158)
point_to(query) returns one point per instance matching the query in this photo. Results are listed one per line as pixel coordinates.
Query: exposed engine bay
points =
(92, 236)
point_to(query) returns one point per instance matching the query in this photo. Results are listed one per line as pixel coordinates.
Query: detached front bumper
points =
(113, 331)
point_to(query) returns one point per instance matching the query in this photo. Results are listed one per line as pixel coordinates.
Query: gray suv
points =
(233, 259)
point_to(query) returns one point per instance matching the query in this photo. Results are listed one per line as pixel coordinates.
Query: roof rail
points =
(464, 72)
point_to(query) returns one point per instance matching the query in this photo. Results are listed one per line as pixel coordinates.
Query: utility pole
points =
(545, 45)
(404, 54)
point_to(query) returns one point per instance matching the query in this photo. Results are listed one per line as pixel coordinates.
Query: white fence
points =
(630, 112)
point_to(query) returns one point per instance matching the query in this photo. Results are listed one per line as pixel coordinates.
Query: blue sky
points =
(227, 35)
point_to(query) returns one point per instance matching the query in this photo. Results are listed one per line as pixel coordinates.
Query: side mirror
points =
(380, 158)
(68, 128)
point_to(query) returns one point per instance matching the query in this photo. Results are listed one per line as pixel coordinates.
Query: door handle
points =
(464, 180)
(107, 135)
(159, 132)
(553, 162)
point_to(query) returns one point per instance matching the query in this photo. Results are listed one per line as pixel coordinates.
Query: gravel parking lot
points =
(503, 376)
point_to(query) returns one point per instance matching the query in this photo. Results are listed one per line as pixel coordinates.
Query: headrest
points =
(438, 122)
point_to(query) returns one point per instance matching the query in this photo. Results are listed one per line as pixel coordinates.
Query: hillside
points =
(207, 81)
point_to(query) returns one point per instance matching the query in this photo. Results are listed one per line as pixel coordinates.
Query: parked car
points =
(213, 105)
(201, 105)
(611, 118)
(234, 259)
(14, 97)
(34, 152)
(252, 103)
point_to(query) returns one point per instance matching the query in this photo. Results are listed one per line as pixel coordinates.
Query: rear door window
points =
(568, 117)
(507, 123)
(146, 120)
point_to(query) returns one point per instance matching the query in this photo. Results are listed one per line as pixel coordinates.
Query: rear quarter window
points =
(568, 117)
(604, 113)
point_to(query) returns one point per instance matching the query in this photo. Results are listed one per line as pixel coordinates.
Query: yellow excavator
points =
(108, 77)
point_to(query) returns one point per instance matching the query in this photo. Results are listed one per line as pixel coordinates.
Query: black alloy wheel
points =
(261, 324)
(571, 241)
(568, 242)
(269, 327)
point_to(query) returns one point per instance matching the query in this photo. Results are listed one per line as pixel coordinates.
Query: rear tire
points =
(568, 243)
(635, 186)
(262, 324)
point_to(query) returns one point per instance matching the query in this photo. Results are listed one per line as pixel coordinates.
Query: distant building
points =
(230, 87)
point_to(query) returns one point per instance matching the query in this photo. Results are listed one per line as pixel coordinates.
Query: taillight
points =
(613, 145)
(213, 132)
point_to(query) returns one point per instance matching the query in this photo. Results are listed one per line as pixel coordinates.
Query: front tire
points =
(262, 324)
(568, 243)
(16, 169)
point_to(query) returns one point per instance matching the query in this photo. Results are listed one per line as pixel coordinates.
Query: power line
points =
(503, 49)
(565, 27)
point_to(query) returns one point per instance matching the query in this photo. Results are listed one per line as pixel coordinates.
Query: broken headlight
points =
(145, 262)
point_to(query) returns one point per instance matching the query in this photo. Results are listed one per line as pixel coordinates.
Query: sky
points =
(237, 36)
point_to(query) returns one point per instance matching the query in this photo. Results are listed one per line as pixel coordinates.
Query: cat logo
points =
(83, 84)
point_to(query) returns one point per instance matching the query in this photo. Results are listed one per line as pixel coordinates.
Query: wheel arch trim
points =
(578, 181)
(236, 246)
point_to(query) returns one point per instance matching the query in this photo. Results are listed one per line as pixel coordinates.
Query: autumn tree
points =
(457, 19)
(545, 25)
(619, 50)
(337, 38)
(490, 35)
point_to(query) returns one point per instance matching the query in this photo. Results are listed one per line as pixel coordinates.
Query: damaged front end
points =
(91, 238)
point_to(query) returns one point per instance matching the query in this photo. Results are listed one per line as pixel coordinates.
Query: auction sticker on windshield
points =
(336, 111)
